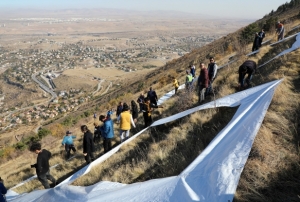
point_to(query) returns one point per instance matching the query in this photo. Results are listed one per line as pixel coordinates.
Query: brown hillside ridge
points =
(272, 170)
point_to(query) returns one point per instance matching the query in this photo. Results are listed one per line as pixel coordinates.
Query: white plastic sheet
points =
(212, 176)
(295, 46)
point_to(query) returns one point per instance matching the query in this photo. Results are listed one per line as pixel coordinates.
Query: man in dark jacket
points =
(212, 73)
(261, 36)
(140, 100)
(151, 95)
(42, 165)
(107, 131)
(248, 67)
(202, 82)
(119, 109)
(3, 191)
(88, 144)
(255, 43)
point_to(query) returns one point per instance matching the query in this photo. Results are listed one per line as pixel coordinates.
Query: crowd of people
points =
(126, 116)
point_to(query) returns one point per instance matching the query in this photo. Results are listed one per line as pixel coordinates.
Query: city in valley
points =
(52, 62)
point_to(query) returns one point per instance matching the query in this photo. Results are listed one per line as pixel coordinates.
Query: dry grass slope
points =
(272, 170)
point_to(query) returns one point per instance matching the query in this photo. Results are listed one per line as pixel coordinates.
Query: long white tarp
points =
(295, 46)
(212, 176)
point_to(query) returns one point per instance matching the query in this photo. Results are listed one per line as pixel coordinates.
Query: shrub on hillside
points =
(43, 132)
(248, 33)
(57, 130)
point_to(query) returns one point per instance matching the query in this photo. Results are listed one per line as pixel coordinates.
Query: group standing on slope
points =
(127, 118)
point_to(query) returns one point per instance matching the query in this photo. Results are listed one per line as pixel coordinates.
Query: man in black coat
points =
(248, 67)
(88, 144)
(261, 36)
(42, 165)
(256, 42)
(151, 95)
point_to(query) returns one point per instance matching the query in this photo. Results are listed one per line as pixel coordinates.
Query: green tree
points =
(248, 33)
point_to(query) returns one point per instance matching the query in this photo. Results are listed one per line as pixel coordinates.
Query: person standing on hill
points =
(140, 100)
(151, 95)
(255, 42)
(261, 36)
(42, 165)
(3, 191)
(188, 80)
(175, 84)
(126, 121)
(97, 132)
(68, 143)
(134, 111)
(107, 131)
(280, 31)
(148, 108)
(248, 67)
(88, 144)
(119, 109)
(212, 73)
(202, 82)
(192, 70)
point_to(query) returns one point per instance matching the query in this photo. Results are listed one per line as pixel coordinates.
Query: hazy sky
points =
(253, 9)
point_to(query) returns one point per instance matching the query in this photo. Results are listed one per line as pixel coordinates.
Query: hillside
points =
(272, 170)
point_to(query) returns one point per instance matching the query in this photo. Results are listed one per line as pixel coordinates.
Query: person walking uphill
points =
(42, 165)
(107, 131)
(280, 31)
(188, 80)
(126, 121)
(175, 84)
(140, 100)
(134, 111)
(202, 82)
(68, 143)
(261, 36)
(119, 109)
(256, 42)
(3, 191)
(248, 67)
(151, 95)
(148, 108)
(88, 144)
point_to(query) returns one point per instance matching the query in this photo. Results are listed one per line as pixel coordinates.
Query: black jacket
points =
(134, 111)
(42, 163)
(250, 69)
(88, 143)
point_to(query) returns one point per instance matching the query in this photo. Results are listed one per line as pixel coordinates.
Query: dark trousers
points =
(147, 119)
(43, 178)
(141, 106)
(154, 102)
(89, 157)
(106, 144)
(68, 148)
(176, 90)
(209, 89)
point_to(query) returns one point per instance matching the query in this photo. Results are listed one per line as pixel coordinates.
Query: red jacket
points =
(203, 78)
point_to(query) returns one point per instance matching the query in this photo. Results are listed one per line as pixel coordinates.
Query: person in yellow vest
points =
(175, 84)
(188, 80)
(126, 121)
